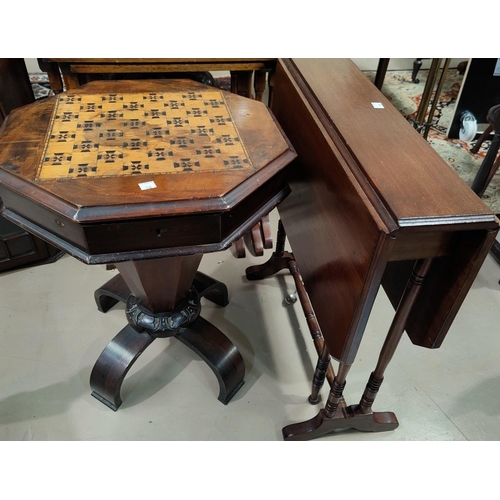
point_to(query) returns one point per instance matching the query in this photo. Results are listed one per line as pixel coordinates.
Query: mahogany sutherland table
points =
(147, 175)
(371, 203)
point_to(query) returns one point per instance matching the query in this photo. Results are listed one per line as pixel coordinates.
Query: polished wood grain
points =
(358, 204)
(371, 204)
(76, 72)
(418, 190)
(323, 188)
(226, 173)
(220, 202)
(25, 132)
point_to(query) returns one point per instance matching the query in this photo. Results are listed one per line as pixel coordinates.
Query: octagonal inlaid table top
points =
(105, 171)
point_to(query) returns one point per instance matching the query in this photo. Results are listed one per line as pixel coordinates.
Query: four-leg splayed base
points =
(182, 322)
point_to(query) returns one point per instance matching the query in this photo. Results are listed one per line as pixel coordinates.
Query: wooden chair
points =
(490, 164)
(18, 248)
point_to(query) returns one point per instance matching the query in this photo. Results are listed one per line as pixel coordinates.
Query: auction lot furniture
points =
(148, 176)
(248, 79)
(73, 72)
(371, 204)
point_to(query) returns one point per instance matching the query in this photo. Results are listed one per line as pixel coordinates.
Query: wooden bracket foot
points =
(345, 418)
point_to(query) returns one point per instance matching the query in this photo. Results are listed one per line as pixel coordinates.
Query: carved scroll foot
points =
(219, 353)
(274, 265)
(345, 418)
(279, 259)
(113, 364)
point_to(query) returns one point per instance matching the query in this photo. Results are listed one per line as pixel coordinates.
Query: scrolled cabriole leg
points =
(278, 261)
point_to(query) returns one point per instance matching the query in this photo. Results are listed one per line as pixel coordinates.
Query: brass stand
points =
(420, 123)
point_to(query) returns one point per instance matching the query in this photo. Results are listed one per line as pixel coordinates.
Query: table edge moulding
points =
(212, 163)
(371, 204)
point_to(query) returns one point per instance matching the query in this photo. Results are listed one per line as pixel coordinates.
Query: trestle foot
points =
(345, 418)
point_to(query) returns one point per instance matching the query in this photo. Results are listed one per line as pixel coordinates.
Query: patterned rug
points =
(405, 96)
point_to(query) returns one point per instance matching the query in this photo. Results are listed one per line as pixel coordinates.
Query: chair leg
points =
(417, 64)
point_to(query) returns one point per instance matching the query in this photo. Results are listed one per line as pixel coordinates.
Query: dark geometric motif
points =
(82, 170)
(177, 122)
(134, 123)
(135, 144)
(155, 113)
(186, 164)
(214, 103)
(156, 122)
(86, 146)
(208, 152)
(63, 136)
(158, 132)
(67, 116)
(135, 167)
(173, 104)
(202, 131)
(236, 162)
(90, 107)
(57, 158)
(192, 96)
(159, 154)
(133, 106)
(181, 142)
(70, 99)
(109, 156)
(88, 125)
(197, 112)
(111, 134)
(112, 98)
(227, 140)
(220, 120)
(112, 115)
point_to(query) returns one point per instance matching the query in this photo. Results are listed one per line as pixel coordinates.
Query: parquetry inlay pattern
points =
(131, 134)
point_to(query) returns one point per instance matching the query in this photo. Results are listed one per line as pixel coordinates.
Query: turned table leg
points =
(335, 415)
(395, 333)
